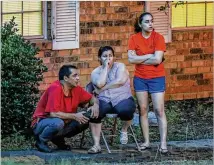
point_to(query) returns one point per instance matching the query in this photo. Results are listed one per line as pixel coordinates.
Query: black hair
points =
(137, 28)
(103, 49)
(65, 70)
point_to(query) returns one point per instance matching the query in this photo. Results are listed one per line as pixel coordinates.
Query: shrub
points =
(20, 74)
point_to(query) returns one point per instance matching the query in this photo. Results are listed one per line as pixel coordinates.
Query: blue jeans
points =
(55, 128)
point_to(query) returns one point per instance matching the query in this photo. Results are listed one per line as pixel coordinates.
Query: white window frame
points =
(44, 22)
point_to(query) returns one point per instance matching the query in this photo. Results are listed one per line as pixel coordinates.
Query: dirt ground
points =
(119, 154)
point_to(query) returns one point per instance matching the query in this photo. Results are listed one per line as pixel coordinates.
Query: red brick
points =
(191, 35)
(185, 36)
(179, 37)
(87, 71)
(75, 52)
(170, 52)
(167, 97)
(49, 80)
(205, 43)
(40, 54)
(211, 94)
(64, 52)
(190, 70)
(124, 42)
(180, 51)
(104, 4)
(177, 58)
(178, 96)
(109, 10)
(185, 83)
(46, 45)
(124, 61)
(208, 50)
(184, 64)
(197, 63)
(135, 9)
(190, 95)
(203, 69)
(170, 90)
(186, 45)
(179, 45)
(194, 89)
(208, 87)
(197, 44)
(201, 36)
(208, 62)
(86, 57)
(182, 89)
(46, 60)
(204, 94)
(116, 3)
(43, 87)
(208, 75)
(130, 68)
(93, 64)
(50, 74)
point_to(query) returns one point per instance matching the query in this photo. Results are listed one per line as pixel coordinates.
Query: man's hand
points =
(81, 118)
(94, 111)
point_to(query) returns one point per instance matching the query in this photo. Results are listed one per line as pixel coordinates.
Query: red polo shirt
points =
(54, 100)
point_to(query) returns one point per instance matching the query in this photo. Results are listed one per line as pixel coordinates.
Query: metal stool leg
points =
(114, 130)
(135, 139)
(104, 139)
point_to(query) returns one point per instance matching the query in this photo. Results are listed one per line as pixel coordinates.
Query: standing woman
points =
(145, 50)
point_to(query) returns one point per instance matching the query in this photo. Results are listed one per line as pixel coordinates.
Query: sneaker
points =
(123, 137)
(42, 146)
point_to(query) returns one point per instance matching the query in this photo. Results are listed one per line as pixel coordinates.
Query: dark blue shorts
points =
(125, 110)
(153, 85)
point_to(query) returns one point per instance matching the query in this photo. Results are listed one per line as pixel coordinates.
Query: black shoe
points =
(43, 147)
(64, 147)
(60, 143)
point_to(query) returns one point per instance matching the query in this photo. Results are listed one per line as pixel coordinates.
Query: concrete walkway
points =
(117, 151)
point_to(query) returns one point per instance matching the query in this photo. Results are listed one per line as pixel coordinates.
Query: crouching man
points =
(56, 114)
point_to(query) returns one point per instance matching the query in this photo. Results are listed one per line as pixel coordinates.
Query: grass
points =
(187, 120)
(37, 161)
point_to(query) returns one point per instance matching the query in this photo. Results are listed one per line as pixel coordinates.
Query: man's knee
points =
(58, 124)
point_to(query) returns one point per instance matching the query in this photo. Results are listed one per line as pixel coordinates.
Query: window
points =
(192, 14)
(29, 17)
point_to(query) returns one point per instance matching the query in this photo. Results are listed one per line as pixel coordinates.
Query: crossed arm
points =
(148, 59)
(99, 79)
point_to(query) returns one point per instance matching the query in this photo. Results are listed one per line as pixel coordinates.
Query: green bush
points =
(20, 74)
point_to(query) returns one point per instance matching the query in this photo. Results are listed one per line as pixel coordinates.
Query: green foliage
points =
(16, 142)
(20, 74)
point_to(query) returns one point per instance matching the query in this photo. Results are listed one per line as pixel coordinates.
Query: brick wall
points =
(188, 58)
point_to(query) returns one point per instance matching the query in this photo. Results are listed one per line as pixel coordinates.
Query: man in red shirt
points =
(56, 114)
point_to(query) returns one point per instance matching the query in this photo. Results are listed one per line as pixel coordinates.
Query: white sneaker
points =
(123, 137)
